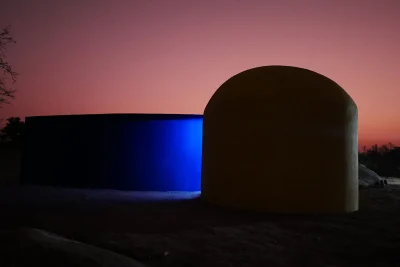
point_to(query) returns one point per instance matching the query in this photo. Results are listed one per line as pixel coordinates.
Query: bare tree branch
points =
(7, 73)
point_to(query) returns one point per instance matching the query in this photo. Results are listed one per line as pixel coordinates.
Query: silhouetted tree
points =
(384, 159)
(13, 130)
(7, 73)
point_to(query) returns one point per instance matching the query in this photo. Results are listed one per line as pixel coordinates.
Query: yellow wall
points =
(281, 139)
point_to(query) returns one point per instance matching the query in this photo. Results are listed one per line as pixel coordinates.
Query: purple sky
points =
(87, 56)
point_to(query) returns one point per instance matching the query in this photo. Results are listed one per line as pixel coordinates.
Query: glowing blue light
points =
(166, 155)
(127, 152)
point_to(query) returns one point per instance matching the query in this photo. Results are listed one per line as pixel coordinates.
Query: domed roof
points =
(281, 139)
(292, 90)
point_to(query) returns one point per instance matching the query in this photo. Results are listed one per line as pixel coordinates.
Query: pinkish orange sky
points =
(167, 56)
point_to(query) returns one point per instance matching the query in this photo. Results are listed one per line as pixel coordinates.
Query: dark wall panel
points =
(143, 152)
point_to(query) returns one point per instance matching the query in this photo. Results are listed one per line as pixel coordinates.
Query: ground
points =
(177, 229)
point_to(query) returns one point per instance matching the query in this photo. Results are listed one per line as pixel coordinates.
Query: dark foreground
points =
(169, 231)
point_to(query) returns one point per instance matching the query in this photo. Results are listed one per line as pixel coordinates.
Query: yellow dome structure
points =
(281, 139)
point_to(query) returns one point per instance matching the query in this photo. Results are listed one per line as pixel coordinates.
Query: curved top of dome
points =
(278, 85)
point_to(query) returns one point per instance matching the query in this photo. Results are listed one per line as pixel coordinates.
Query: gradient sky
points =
(169, 56)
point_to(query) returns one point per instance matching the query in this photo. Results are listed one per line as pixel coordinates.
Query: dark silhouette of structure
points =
(281, 139)
(141, 152)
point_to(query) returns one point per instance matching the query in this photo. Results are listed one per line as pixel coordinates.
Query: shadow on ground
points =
(177, 230)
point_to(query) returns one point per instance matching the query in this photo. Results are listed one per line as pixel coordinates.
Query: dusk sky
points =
(169, 56)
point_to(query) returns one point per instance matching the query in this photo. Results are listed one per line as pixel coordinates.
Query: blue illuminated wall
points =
(142, 152)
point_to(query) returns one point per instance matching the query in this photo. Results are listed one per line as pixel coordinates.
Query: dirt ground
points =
(177, 229)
